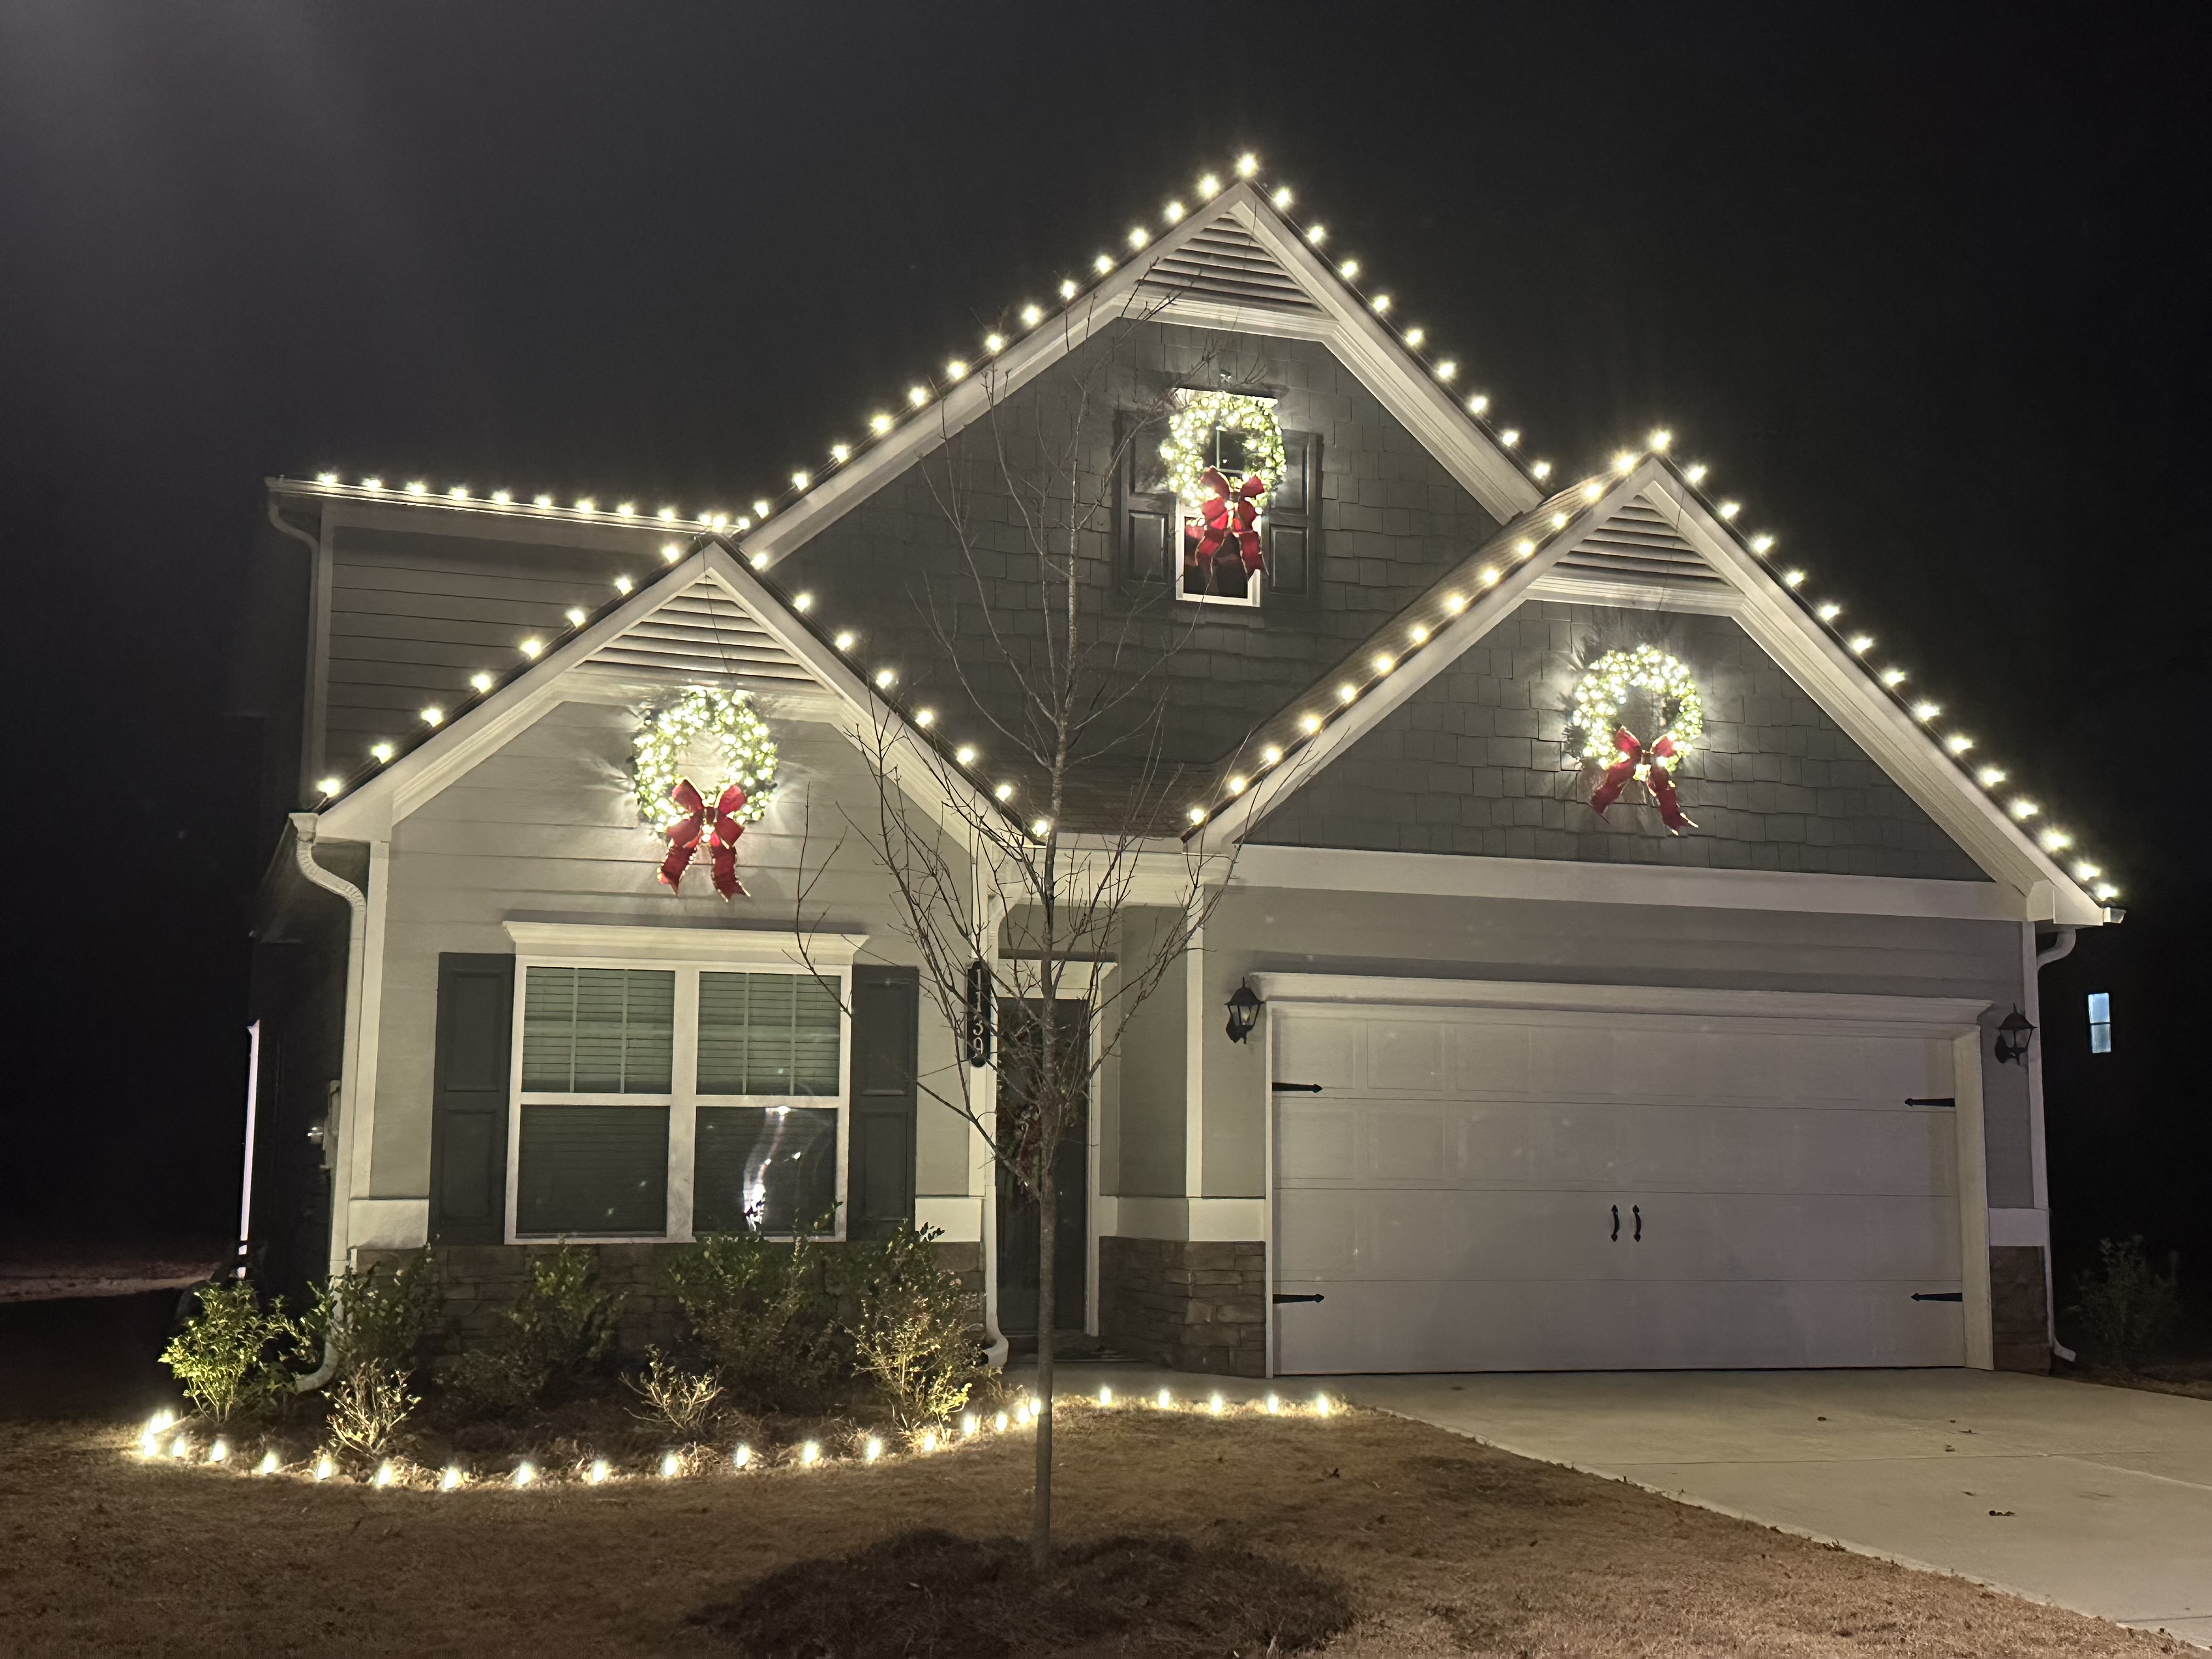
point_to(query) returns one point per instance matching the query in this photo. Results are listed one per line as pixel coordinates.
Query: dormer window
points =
(1216, 498)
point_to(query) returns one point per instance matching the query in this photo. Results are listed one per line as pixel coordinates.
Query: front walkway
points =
(2098, 1499)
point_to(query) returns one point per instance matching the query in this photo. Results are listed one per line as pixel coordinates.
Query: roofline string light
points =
(1138, 242)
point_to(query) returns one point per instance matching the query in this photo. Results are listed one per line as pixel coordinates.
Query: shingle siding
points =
(1390, 520)
(1476, 763)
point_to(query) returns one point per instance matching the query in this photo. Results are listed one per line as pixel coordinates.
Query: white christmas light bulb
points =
(501, 497)
(1138, 236)
(541, 500)
(1417, 635)
(1382, 663)
(1540, 470)
(575, 614)
(1792, 579)
(382, 751)
(1270, 755)
(1102, 263)
(1067, 287)
(955, 370)
(1317, 234)
(2057, 840)
(1281, 198)
(917, 395)
(1508, 437)
(1990, 776)
(1659, 439)
(760, 510)
(1625, 461)
(1041, 828)
(965, 754)
(2087, 873)
(584, 504)
(1926, 711)
(994, 343)
(1829, 613)
(268, 1464)
(1477, 403)
(1031, 316)
(1348, 269)
(331, 785)
(758, 561)
(1247, 165)
(1236, 786)
(2025, 809)
(326, 478)
(1347, 693)
(1892, 678)
(841, 453)
(1005, 792)
(451, 1479)
(666, 515)
(672, 1465)
(1592, 491)
(845, 641)
(1309, 723)
(2106, 892)
(1414, 336)
(1861, 643)
(671, 552)
(1958, 743)
(1696, 474)
(1197, 815)
(1446, 369)
(434, 715)
(1175, 212)
(802, 602)
(925, 717)
(417, 487)
(1209, 188)
(743, 1455)
(1380, 304)
(883, 678)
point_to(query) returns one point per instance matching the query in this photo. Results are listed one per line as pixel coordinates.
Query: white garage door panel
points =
(1450, 1192)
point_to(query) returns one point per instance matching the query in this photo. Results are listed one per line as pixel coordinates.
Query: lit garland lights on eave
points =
(1412, 630)
(1280, 740)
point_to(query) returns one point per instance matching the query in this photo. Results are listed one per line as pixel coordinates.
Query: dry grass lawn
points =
(1443, 1546)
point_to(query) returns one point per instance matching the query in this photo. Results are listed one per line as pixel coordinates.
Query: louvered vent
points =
(1223, 262)
(703, 631)
(1636, 545)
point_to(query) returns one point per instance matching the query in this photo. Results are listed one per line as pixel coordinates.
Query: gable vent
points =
(704, 631)
(1637, 545)
(1223, 262)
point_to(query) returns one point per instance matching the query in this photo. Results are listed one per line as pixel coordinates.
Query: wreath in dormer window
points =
(1224, 454)
(1604, 687)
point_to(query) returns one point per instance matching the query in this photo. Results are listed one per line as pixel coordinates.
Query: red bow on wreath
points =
(1656, 777)
(684, 838)
(1229, 513)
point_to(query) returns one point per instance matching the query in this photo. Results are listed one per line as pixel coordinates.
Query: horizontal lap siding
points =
(412, 617)
(544, 829)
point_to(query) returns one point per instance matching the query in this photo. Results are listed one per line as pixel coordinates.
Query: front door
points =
(1017, 1211)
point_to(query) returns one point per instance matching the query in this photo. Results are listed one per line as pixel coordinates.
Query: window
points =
(666, 1102)
(1161, 534)
(2100, 1022)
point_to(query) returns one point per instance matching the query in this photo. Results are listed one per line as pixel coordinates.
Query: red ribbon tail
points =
(1248, 550)
(725, 852)
(1662, 791)
(678, 860)
(1617, 775)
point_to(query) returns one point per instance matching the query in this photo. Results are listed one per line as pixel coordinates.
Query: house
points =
(1630, 948)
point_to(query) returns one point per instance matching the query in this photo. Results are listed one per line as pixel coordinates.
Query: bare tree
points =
(1078, 869)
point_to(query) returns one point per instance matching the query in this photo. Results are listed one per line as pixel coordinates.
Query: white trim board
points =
(680, 942)
(1223, 1220)
(1957, 1015)
(1452, 875)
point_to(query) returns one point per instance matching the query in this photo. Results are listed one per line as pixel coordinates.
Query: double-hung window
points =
(667, 1101)
(1164, 539)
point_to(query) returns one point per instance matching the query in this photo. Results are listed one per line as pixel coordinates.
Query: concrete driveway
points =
(2096, 1499)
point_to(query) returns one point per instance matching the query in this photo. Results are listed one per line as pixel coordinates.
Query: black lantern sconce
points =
(1243, 1013)
(2014, 1031)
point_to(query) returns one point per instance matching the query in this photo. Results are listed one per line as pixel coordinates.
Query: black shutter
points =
(1148, 523)
(886, 1052)
(468, 1106)
(1294, 519)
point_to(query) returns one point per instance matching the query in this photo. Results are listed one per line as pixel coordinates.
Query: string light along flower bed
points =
(1073, 292)
(1605, 688)
(740, 787)
(154, 1442)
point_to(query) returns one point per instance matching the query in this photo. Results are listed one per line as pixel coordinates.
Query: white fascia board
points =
(1454, 875)
(1957, 1015)
(348, 506)
(1382, 699)
(1903, 747)
(1428, 409)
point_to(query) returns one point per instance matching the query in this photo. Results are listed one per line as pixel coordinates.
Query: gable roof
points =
(1646, 536)
(707, 615)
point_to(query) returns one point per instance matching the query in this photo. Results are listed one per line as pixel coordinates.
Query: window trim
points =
(725, 953)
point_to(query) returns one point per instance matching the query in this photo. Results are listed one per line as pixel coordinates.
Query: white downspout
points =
(2061, 943)
(304, 825)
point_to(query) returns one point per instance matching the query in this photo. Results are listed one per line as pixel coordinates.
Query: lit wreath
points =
(1604, 687)
(1187, 451)
(740, 787)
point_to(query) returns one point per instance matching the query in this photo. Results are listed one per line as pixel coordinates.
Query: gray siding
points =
(1473, 763)
(413, 615)
(545, 829)
(1261, 929)
(1391, 519)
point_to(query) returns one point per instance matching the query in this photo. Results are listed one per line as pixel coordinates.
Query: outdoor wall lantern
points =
(2013, 1032)
(1243, 1013)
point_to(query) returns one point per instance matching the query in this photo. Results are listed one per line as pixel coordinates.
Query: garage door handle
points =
(1939, 1295)
(1942, 1100)
(1297, 1088)
(1639, 1210)
(1315, 1297)
(1616, 1224)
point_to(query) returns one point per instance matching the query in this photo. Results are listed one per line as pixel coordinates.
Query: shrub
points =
(375, 1316)
(914, 1331)
(757, 1308)
(368, 1404)
(557, 1335)
(680, 1399)
(229, 1356)
(2127, 1309)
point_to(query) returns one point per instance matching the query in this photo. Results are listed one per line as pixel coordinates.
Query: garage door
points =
(1507, 1189)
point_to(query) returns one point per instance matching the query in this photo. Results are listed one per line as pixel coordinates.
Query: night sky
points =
(1927, 287)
